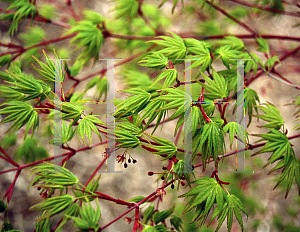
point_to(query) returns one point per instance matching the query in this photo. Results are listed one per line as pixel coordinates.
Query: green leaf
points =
(170, 76)
(24, 9)
(235, 129)
(148, 228)
(226, 53)
(154, 60)
(85, 127)
(136, 199)
(211, 143)
(53, 205)
(33, 36)
(176, 98)
(216, 88)
(93, 16)
(176, 222)
(126, 8)
(165, 147)
(133, 104)
(162, 215)
(251, 99)
(234, 42)
(89, 217)
(53, 176)
(271, 61)
(5, 60)
(174, 47)
(71, 111)
(21, 113)
(62, 133)
(251, 64)
(89, 36)
(263, 45)
(31, 150)
(148, 213)
(272, 115)
(2, 207)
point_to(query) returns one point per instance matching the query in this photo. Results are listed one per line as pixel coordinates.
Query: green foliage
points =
(202, 198)
(148, 213)
(52, 176)
(62, 133)
(21, 113)
(53, 205)
(217, 88)
(31, 150)
(8, 140)
(174, 47)
(2, 207)
(211, 143)
(134, 104)
(127, 135)
(126, 8)
(226, 53)
(85, 127)
(88, 219)
(5, 60)
(272, 115)
(154, 60)
(176, 222)
(90, 36)
(162, 215)
(165, 147)
(235, 129)
(170, 75)
(251, 99)
(24, 9)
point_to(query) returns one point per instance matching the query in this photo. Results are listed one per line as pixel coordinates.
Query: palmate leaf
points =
(251, 64)
(127, 135)
(162, 215)
(203, 197)
(233, 205)
(234, 42)
(29, 86)
(176, 222)
(235, 129)
(272, 115)
(176, 98)
(126, 8)
(226, 53)
(85, 127)
(53, 205)
(24, 9)
(211, 142)
(170, 76)
(21, 113)
(136, 79)
(89, 35)
(71, 111)
(134, 104)
(47, 70)
(216, 88)
(200, 52)
(154, 60)
(251, 99)
(52, 176)
(150, 112)
(174, 47)
(89, 217)
(165, 147)
(278, 143)
(291, 170)
(63, 134)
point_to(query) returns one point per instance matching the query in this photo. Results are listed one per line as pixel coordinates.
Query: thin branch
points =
(266, 8)
(231, 17)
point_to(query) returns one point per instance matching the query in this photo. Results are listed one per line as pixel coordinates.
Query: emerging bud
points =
(150, 173)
